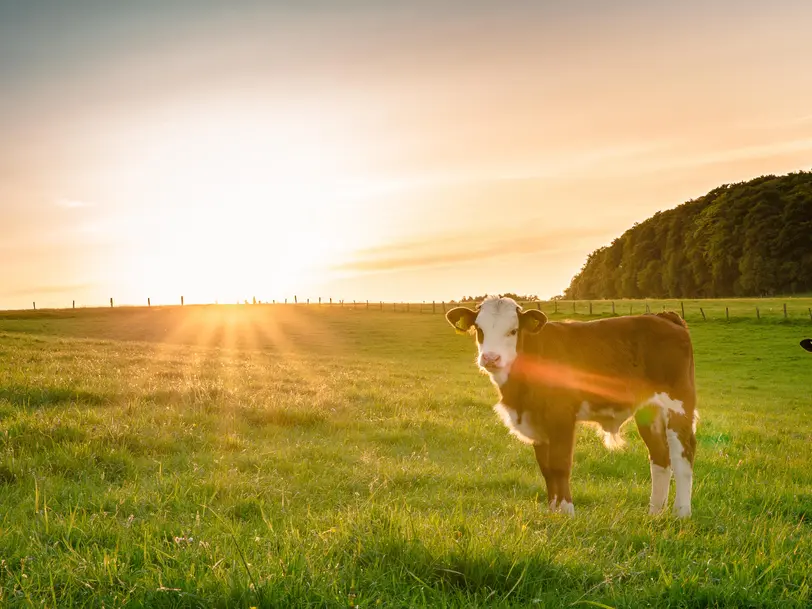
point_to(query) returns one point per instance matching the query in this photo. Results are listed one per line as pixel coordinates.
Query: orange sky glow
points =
(372, 150)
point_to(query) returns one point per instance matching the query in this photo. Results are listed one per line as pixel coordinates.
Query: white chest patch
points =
(520, 425)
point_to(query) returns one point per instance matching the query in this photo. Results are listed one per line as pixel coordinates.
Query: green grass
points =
(281, 456)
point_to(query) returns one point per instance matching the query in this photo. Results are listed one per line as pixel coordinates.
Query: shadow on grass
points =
(43, 397)
(484, 576)
(215, 400)
(391, 570)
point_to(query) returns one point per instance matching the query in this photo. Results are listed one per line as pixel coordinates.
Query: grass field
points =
(304, 456)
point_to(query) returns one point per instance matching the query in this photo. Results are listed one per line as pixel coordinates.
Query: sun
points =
(238, 210)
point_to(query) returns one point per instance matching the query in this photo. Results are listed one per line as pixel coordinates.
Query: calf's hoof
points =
(562, 507)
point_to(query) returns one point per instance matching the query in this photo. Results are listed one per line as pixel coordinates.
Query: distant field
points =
(797, 308)
(305, 456)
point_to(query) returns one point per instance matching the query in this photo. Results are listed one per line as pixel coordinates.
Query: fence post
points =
(555, 306)
(111, 301)
(319, 300)
(382, 305)
(648, 309)
(35, 305)
(590, 307)
(295, 299)
(758, 314)
(407, 307)
(181, 301)
(538, 305)
(810, 313)
(573, 306)
(308, 301)
(682, 306)
(394, 307)
(286, 301)
(367, 305)
(785, 310)
(630, 309)
(703, 313)
(613, 307)
(149, 302)
(433, 307)
(443, 307)
(727, 314)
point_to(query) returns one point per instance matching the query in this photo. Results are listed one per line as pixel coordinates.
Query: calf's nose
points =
(490, 359)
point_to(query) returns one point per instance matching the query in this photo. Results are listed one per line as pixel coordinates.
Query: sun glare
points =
(239, 211)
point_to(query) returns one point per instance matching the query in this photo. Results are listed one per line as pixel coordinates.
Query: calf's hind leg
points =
(651, 424)
(682, 446)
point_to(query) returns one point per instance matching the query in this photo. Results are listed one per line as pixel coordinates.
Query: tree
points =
(748, 239)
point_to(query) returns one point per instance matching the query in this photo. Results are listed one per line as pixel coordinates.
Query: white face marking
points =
(683, 475)
(522, 429)
(660, 481)
(497, 327)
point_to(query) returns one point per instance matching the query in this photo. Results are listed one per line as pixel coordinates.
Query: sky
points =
(372, 149)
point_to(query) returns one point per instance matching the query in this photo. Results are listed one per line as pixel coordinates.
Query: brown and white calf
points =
(552, 375)
(807, 344)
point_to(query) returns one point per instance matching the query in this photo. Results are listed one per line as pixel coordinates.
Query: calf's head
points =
(499, 323)
(807, 344)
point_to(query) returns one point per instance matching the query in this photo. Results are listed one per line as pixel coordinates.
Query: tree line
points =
(747, 239)
(516, 297)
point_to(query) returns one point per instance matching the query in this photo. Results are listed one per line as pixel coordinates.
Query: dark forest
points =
(748, 239)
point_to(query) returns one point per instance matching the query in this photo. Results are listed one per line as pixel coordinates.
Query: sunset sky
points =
(372, 150)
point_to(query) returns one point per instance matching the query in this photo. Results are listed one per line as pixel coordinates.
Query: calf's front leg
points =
(543, 458)
(555, 461)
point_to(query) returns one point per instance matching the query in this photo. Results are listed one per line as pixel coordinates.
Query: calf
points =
(807, 344)
(551, 375)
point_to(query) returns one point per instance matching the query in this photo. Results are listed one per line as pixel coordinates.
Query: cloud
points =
(744, 153)
(446, 249)
(72, 203)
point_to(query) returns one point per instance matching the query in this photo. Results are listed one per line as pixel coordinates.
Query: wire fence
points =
(694, 310)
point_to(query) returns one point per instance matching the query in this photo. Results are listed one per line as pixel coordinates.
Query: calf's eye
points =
(513, 332)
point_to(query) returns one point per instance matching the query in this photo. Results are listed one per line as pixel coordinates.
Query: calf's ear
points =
(461, 318)
(532, 321)
(807, 344)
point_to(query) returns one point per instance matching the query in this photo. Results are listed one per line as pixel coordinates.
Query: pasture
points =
(285, 456)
